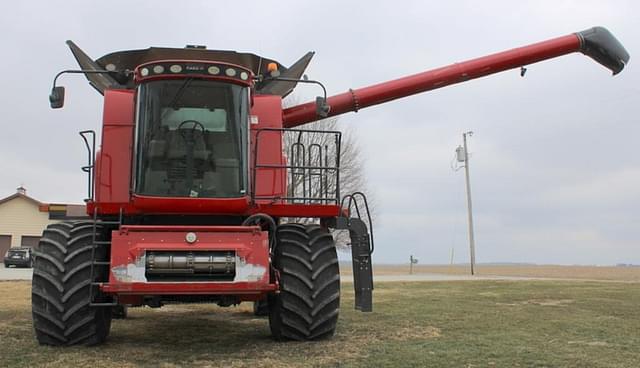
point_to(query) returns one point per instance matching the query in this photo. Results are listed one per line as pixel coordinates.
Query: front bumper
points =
(130, 270)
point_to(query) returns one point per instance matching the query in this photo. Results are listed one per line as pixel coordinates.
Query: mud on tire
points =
(307, 306)
(60, 286)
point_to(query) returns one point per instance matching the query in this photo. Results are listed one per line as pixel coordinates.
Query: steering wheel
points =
(189, 134)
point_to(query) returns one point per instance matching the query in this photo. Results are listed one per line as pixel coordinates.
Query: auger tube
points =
(597, 43)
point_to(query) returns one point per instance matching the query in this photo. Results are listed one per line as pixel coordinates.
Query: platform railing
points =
(311, 170)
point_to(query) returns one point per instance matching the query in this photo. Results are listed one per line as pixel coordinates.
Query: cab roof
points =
(130, 59)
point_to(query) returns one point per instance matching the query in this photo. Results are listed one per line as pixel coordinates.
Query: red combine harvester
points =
(191, 195)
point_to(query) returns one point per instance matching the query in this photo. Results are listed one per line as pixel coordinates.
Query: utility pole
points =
(463, 156)
(451, 261)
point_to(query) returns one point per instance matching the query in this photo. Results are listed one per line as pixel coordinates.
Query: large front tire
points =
(61, 286)
(307, 305)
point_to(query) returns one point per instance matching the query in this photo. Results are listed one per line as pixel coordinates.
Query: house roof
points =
(24, 196)
(55, 210)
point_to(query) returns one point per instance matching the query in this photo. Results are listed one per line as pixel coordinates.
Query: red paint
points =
(269, 181)
(273, 209)
(433, 79)
(182, 205)
(113, 174)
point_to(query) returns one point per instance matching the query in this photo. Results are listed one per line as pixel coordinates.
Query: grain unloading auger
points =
(597, 43)
(191, 193)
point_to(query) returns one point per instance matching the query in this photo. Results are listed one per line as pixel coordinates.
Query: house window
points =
(29, 241)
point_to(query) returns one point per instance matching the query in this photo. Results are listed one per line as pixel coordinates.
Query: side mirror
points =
(56, 98)
(322, 109)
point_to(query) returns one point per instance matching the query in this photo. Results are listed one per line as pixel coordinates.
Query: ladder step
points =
(97, 244)
(112, 304)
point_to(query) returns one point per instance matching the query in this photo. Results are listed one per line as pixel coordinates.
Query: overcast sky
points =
(555, 169)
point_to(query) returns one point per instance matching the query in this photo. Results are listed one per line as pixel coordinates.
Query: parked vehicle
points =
(20, 256)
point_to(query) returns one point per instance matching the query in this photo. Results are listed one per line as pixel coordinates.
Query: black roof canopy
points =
(130, 59)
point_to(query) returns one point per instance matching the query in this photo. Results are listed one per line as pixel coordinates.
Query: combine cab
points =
(191, 190)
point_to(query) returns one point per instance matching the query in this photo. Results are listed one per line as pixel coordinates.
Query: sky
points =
(554, 166)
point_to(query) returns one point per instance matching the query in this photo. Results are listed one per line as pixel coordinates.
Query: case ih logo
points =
(194, 67)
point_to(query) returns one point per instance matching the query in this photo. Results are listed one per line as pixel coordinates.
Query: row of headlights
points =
(212, 70)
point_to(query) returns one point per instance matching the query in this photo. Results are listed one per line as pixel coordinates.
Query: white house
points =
(23, 218)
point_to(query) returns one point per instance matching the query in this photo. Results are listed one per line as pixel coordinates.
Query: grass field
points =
(605, 273)
(416, 324)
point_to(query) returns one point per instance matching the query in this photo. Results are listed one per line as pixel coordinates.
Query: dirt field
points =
(414, 324)
(609, 273)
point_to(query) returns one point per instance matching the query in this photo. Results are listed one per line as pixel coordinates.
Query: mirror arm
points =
(75, 71)
(322, 109)
(56, 98)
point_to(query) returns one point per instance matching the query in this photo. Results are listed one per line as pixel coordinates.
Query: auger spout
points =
(597, 43)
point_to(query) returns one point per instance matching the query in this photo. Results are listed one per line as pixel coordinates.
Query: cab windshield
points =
(192, 139)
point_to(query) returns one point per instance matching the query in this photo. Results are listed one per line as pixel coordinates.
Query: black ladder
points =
(362, 247)
(100, 263)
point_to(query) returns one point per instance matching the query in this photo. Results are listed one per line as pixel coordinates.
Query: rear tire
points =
(61, 286)
(307, 305)
(261, 308)
(119, 312)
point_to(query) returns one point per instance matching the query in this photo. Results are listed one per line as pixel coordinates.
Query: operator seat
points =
(155, 180)
(224, 178)
(177, 158)
(178, 147)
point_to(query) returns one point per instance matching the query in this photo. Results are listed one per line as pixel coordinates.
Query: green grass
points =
(435, 324)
